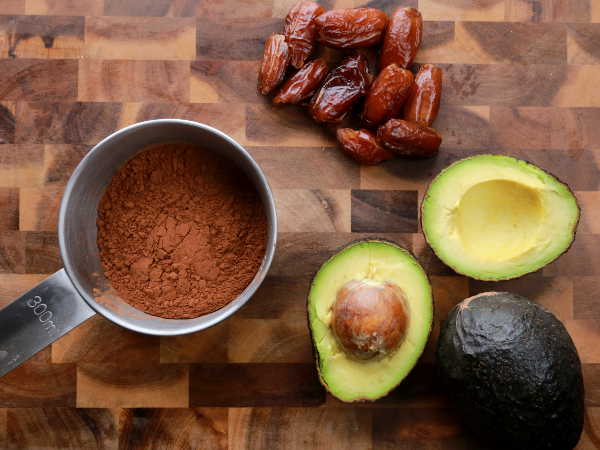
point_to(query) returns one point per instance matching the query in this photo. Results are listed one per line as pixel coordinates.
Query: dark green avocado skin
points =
(513, 371)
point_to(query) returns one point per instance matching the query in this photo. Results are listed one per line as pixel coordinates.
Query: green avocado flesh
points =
(494, 217)
(513, 372)
(371, 262)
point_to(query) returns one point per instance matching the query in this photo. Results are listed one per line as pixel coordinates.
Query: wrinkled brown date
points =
(387, 95)
(351, 28)
(402, 38)
(343, 86)
(301, 31)
(409, 138)
(275, 60)
(362, 146)
(303, 83)
(425, 95)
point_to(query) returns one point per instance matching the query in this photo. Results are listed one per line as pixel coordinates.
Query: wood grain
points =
(520, 78)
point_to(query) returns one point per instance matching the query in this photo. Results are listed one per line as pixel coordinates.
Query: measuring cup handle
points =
(39, 317)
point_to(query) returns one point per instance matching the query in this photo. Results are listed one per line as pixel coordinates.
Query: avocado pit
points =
(369, 318)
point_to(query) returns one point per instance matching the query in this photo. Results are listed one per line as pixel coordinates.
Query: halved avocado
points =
(370, 311)
(494, 217)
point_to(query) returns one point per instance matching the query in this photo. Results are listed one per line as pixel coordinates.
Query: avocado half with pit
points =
(513, 371)
(494, 217)
(370, 311)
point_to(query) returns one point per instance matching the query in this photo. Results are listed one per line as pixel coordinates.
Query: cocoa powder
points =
(181, 231)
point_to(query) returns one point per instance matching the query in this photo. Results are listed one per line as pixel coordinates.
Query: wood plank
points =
(223, 81)
(548, 10)
(162, 38)
(384, 211)
(9, 204)
(206, 346)
(41, 252)
(102, 385)
(134, 81)
(35, 80)
(299, 428)
(313, 210)
(39, 207)
(61, 428)
(201, 428)
(255, 384)
(62, 7)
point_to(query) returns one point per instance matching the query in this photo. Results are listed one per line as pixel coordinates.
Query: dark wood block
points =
(548, 11)
(276, 297)
(162, 38)
(376, 211)
(225, 117)
(21, 165)
(255, 385)
(290, 126)
(61, 428)
(519, 42)
(198, 428)
(223, 81)
(300, 255)
(69, 7)
(139, 8)
(35, 80)
(545, 128)
(98, 340)
(420, 428)
(39, 211)
(583, 47)
(45, 36)
(464, 128)
(38, 384)
(7, 124)
(427, 258)
(437, 34)
(313, 210)
(66, 123)
(9, 205)
(501, 84)
(41, 252)
(585, 298)
(282, 340)
(134, 81)
(389, 6)
(60, 161)
(13, 7)
(141, 386)
(591, 381)
(12, 252)
(300, 428)
(581, 259)
(240, 39)
(307, 167)
(208, 345)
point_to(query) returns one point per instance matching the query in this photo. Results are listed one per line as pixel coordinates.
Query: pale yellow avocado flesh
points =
(347, 378)
(495, 217)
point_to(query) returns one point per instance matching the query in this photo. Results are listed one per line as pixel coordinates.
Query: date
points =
(388, 93)
(344, 85)
(423, 104)
(303, 83)
(409, 138)
(351, 28)
(362, 146)
(402, 38)
(301, 32)
(275, 60)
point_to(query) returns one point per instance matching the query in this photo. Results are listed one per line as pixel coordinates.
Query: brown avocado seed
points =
(369, 319)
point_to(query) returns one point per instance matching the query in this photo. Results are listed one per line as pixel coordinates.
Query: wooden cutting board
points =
(521, 78)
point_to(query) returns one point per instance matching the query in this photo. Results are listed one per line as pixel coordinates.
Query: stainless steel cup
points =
(75, 293)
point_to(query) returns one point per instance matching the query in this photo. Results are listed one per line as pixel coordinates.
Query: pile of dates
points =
(397, 107)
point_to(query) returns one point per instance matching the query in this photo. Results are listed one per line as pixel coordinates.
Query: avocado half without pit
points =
(370, 312)
(494, 217)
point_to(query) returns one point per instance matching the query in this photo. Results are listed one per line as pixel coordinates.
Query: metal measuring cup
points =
(80, 290)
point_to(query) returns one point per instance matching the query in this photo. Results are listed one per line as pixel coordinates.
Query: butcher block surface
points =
(521, 78)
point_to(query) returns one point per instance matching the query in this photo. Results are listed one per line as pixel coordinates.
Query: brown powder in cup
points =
(181, 231)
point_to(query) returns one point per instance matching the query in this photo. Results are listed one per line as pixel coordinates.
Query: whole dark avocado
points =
(514, 372)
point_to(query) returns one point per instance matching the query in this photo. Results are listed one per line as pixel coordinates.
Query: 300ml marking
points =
(44, 315)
